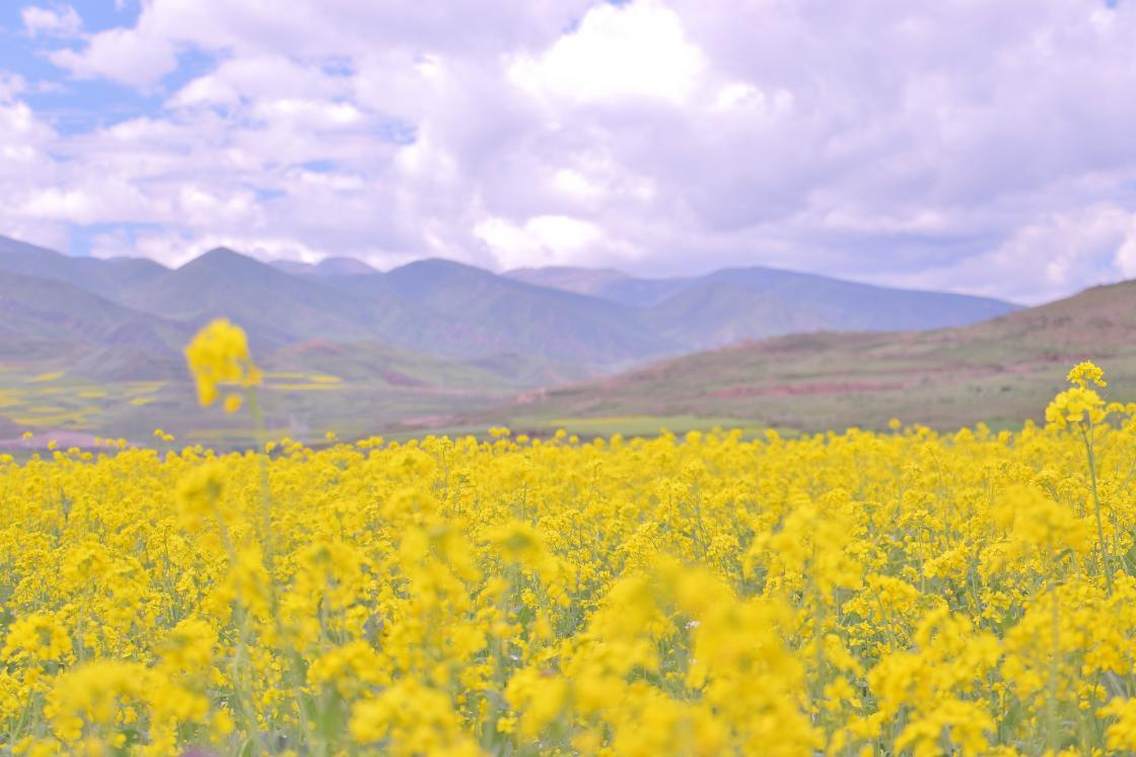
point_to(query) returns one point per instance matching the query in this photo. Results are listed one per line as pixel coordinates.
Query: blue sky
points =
(980, 147)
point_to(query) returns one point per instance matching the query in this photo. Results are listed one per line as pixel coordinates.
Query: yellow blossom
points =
(219, 355)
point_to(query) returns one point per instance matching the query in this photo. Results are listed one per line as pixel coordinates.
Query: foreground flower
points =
(219, 356)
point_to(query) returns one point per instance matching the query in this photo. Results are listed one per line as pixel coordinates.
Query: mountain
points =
(274, 307)
(515, 317)
(999, 371)
(737, 304)
(472, 314)
(592, 281)
(66, 327)
(334, 266)
(106, 277)
(433, 307)
(551, 324)
(605, 283)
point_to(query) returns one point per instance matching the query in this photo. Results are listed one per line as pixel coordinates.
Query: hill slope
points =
(62, 326)
(1000, 371)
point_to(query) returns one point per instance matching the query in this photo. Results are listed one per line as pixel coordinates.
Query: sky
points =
(963, 145)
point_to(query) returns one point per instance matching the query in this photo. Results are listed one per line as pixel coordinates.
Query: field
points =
(296, 401)
(886, 592)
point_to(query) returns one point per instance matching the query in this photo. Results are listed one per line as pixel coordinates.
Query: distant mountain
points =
(737, 304)
(108, 278)
(753, 303)
(70, 328)
(605, 283)
(592, 281)
(276, 308)
(518, 318)
(327, 267)
(998, 371)
(577, 321)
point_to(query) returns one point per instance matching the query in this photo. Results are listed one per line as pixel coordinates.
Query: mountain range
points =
(431, 339)
(563, 323)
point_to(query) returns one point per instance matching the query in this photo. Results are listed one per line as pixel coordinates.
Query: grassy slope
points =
(1000, 371)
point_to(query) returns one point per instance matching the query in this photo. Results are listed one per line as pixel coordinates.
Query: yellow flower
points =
(36, 637)
(219, 355)
(1121, 735)
(198, 494)
(1086, 373)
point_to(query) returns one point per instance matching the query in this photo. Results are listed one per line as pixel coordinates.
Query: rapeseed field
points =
(845, 593)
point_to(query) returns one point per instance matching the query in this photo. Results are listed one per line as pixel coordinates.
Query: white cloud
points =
(121, 55)
(255, 77)
(575, 184)
(548, 240)
(638, 50)
(974, 146)
(1053, 255)
(55, 21)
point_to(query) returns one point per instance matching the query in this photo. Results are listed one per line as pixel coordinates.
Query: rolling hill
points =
(999, 371)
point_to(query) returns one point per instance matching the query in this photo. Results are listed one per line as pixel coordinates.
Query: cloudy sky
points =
(960, 144)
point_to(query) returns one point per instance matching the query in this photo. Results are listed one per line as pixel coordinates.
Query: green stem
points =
(295, 669)
(1106, 559)
(1051, 684)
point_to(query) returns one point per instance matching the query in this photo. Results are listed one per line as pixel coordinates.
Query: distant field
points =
(301, 404)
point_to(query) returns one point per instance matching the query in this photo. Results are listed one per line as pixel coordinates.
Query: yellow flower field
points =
(847, 593)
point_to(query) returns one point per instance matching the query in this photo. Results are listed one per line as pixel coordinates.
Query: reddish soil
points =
(817, 388)
(394, 378)
(41, 440)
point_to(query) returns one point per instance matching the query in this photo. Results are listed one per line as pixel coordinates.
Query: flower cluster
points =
(218, 356)
(842, 593)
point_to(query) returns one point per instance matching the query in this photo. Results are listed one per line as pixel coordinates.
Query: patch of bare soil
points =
(808, 389)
